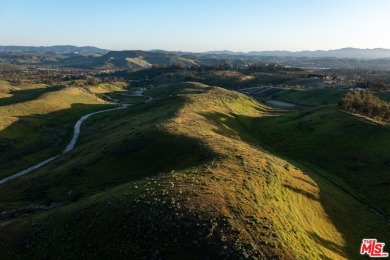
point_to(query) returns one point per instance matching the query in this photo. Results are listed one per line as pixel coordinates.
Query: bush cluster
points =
(366, 104)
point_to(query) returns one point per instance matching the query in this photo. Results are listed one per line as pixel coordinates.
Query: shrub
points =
(366, 104)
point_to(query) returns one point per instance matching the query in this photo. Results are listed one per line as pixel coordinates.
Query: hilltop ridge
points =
(348, 52)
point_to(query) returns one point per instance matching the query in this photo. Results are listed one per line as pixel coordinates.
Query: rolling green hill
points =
(108, 60)
(36, 121)
(187, 176)
(138, 59)
(351, 150)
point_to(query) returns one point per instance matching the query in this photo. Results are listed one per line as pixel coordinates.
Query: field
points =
(314, 97)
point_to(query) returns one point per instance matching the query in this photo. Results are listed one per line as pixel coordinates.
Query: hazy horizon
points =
(216, 50)
(197, 26)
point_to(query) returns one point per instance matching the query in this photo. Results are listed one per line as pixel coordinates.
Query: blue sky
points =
(240, 25)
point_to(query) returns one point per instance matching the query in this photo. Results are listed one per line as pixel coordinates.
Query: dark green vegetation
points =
(236, 78)
(366, 104)
(310, 98)
(199, 172)
(318, 97)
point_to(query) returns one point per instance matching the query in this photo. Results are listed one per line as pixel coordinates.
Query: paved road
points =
(72, 142)
(78, 126)
(39, 165)
(67, 149)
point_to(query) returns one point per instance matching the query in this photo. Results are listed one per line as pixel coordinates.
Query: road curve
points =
(77, 127)
(75, 137)
(70, 146)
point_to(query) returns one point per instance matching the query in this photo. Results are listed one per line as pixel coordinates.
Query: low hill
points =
(48, 112)
(138, 59)
(78, 60)
(112, 60)
(181, 176)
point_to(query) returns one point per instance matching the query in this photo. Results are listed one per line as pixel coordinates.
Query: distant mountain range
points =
(339, 53)
(94, 58)
(353, 53)
(53, 49)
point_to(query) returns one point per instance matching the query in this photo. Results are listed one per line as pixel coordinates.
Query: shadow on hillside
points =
(34, 138)
(115, 148)
(365, 224)
(327, 243)
(19, 96)
(308, 182)
(302, 192)
(126, 97)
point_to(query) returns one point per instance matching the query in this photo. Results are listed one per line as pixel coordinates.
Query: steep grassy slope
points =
(108, 87)
(38, 122)
(181, 177)
(352, 151)
(119, 92)
(8, 90)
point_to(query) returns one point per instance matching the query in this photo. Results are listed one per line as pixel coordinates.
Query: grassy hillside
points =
(232, 79)
(353, 151)
(49, 114)
(318, 97)
(8, 89)
(182, 176)
(311, 97)
(137, 59)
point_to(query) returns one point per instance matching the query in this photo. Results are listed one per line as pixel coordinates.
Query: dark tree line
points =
(366, 104)
(47, 75)
(197, 69)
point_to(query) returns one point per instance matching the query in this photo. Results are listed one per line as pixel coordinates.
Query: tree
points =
(365, 103)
